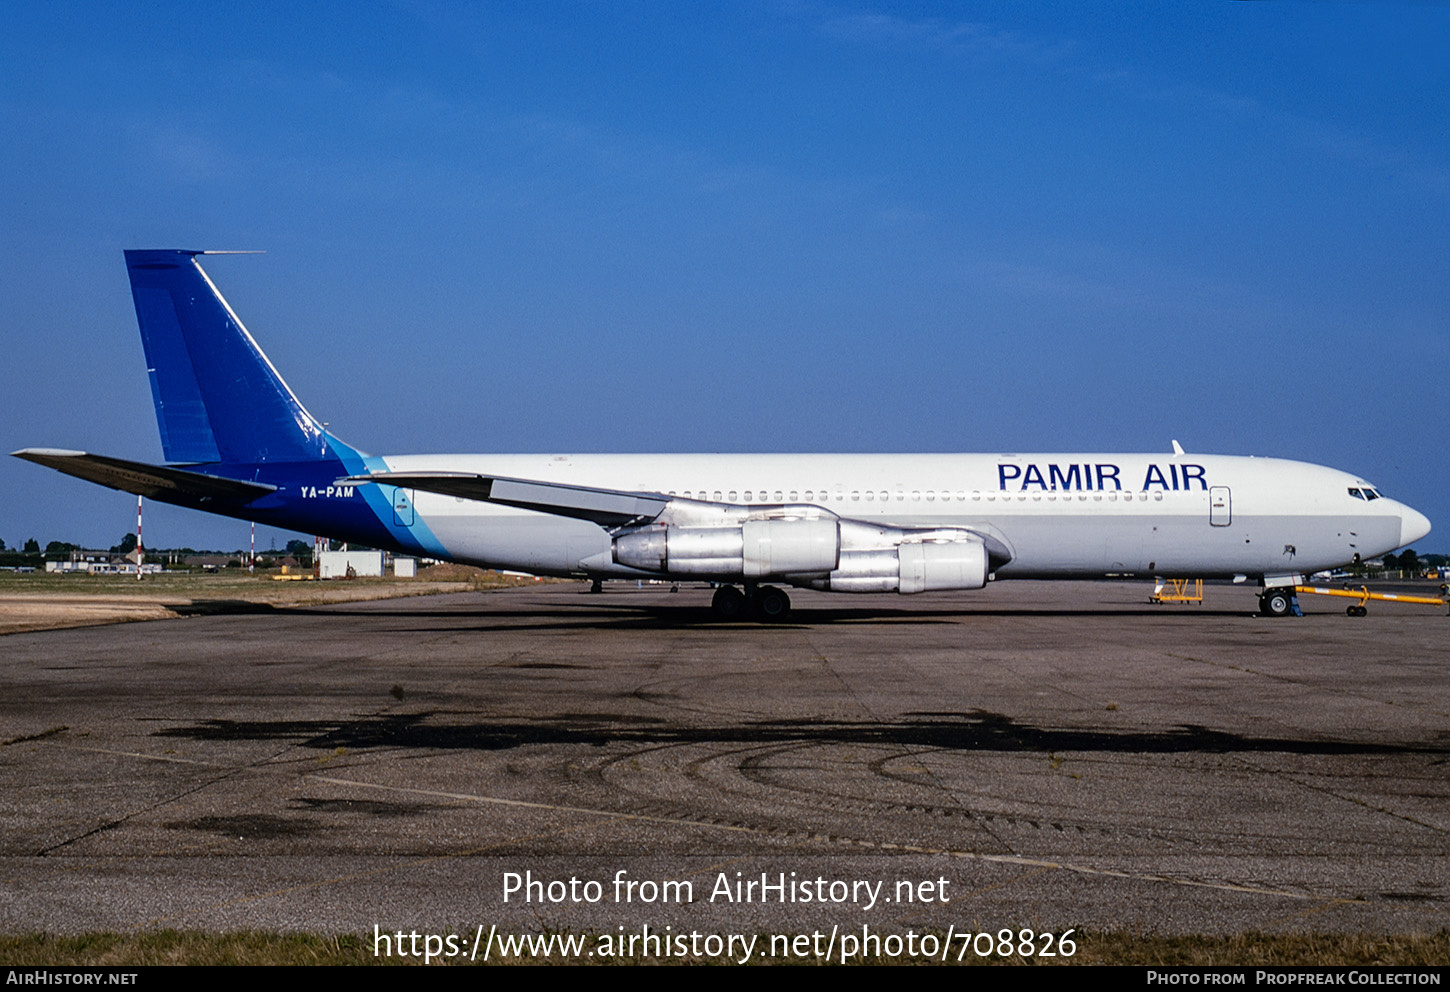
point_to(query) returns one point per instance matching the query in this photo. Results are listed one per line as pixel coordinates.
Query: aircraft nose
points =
(1413, 526)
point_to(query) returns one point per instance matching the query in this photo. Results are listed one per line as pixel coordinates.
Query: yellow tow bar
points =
(1364, 596)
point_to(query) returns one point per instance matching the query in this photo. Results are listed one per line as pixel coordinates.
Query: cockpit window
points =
(1356, 493)
(1371, 494)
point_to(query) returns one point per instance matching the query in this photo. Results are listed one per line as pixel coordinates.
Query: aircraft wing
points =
(606, 507)
(618, 510)
(169, 485)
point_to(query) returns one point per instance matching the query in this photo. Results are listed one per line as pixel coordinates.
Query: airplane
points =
(238, 442)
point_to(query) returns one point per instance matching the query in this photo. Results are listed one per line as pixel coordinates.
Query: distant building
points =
(94, 562)
(350, 564)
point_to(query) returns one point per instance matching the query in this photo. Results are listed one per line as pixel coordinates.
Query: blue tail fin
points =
(218, 398)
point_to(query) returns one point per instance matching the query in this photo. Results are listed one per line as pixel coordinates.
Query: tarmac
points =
(1044, 756)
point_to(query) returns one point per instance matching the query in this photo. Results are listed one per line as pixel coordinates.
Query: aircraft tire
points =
(1276, 603)
(772, 604)
(729, 603)
(1357, 611)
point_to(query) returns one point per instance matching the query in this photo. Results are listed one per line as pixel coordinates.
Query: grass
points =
(253, 948)
(236, 583)
(43, 601)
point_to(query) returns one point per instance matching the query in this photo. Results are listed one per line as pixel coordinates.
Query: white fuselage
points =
(1054, 515)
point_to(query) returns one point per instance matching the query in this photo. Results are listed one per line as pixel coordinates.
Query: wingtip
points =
(33, 453)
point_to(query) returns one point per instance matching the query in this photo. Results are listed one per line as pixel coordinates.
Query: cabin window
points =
(793, 496)
(717, 495)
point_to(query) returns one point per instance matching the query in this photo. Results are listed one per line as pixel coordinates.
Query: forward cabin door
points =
(1220, 506)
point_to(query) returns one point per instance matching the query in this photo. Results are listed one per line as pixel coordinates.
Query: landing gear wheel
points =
(772, 604)
(1276, 603)
(1357, 611)
(729, 603)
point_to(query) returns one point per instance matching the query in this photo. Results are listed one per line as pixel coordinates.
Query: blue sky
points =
(765, 226)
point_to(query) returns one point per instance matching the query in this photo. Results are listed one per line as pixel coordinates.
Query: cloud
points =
(957, 38)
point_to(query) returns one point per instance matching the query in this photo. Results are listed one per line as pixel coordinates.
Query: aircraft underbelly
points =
(526, 542)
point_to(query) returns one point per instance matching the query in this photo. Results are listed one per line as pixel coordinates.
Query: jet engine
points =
(754, 549)
(805, 547)
(911, 567)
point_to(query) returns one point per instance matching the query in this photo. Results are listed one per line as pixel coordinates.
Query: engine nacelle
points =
(790, 547)
(755, 549)
(911, 567)
(955, 565)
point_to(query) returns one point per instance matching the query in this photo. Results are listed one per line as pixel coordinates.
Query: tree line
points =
(31, 553)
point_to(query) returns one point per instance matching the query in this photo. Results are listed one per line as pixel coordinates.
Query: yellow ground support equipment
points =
(1364, 596)
(1182, 591)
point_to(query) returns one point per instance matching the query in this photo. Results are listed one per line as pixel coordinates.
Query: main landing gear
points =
(764, 603)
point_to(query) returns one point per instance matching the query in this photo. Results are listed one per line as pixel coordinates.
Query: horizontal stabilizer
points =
(607, 507)
(169, 485)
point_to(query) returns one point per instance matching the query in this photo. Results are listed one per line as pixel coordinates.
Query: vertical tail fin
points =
(218, 398)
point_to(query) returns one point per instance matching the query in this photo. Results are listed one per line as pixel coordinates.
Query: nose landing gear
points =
(1277, 602)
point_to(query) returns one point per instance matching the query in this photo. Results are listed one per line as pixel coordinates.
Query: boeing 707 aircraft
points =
(237, 442)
